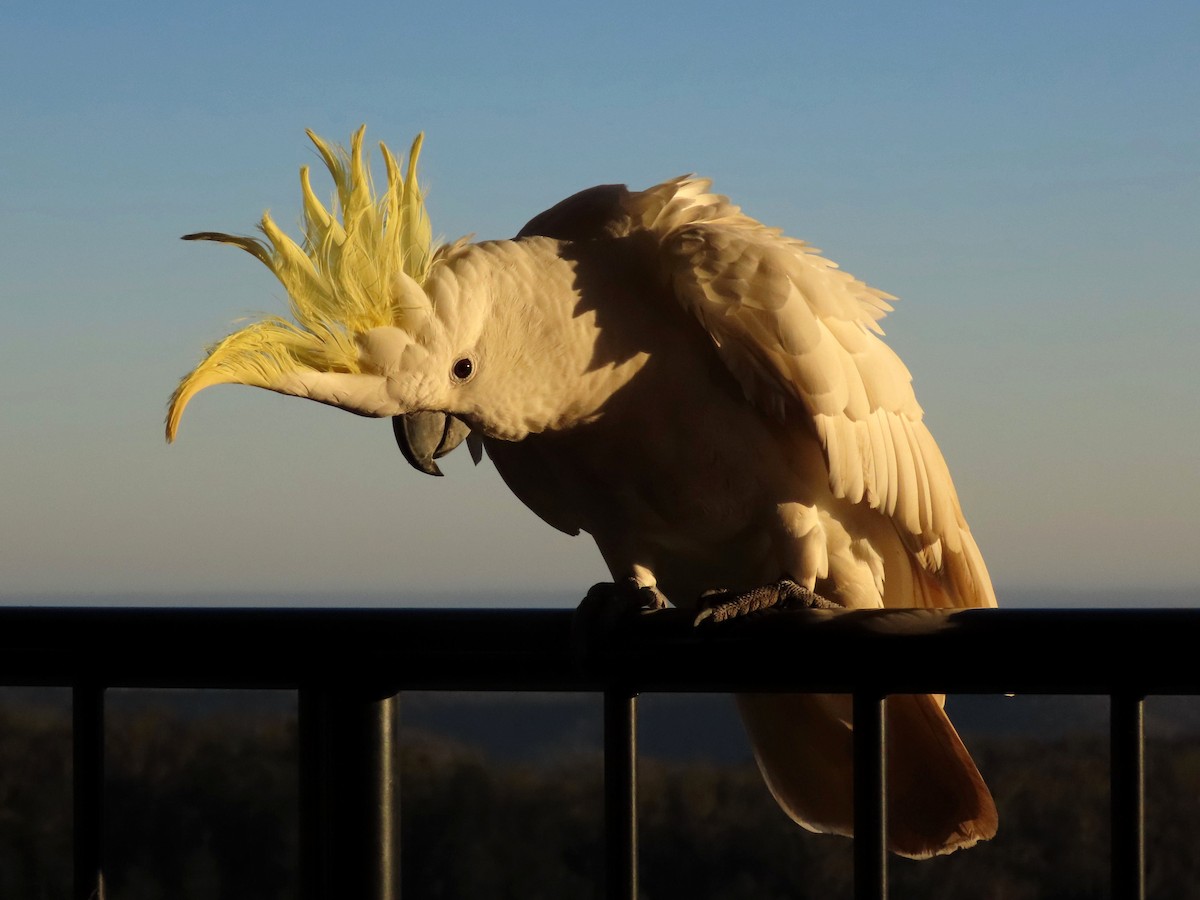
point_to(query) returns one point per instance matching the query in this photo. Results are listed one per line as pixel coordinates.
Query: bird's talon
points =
(607, 608)
(796, 596)
(719, 606)
(652, 599)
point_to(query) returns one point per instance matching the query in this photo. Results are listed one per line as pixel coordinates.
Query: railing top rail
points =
(1129, 651)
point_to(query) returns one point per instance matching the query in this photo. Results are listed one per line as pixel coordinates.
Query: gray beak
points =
(425, 436)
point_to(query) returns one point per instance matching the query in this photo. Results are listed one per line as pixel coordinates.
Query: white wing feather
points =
(803, 339)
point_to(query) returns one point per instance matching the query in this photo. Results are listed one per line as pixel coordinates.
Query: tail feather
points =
(937, 800)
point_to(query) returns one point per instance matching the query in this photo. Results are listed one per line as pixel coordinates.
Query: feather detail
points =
(259, 356)
(803, 339)
(360, 267)
(937, 800)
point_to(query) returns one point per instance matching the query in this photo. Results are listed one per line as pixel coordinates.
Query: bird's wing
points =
(803, 339)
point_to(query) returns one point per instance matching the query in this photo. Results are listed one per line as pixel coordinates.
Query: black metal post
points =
(87, 738)
(1127, 762)
(348, 795)
(870, 796)
(620, 794)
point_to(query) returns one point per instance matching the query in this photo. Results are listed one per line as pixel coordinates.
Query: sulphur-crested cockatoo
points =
(708, 399)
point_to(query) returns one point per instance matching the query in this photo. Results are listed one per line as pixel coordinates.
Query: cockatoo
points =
(707, 398)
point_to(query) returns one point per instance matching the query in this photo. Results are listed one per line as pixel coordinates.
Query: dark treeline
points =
(206, 808)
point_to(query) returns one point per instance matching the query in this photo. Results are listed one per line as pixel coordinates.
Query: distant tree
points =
(473, 829)
(200, 809)
(35, 804)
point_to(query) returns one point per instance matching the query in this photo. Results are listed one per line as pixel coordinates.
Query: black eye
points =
(463, 369)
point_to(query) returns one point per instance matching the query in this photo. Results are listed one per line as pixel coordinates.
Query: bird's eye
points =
(463, 369)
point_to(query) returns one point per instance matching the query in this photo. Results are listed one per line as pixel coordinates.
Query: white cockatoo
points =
(707, 398)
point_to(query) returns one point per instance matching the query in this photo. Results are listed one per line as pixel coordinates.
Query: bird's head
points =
(363, 334)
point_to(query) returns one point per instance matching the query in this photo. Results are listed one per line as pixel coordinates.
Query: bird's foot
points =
(720, 606)
(610, 603)
(606, 608)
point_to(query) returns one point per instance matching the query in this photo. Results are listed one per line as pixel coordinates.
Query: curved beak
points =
(426, 436)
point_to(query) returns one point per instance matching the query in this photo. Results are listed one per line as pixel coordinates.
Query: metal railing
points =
(348, 665)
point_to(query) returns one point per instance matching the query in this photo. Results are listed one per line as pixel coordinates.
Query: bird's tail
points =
(937, 800)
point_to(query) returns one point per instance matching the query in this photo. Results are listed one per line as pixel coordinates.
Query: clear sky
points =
(1023, 175)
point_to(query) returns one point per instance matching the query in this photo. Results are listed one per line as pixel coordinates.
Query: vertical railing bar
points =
(87, 750)
(1128, 778)
(383, 748)
(347, 798)
(870, 796)
(310, 731)
(620, 794)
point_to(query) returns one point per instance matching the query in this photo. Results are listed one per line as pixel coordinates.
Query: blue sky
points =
(1023, 175)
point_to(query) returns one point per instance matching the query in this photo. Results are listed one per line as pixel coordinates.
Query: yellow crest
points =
(364, 271)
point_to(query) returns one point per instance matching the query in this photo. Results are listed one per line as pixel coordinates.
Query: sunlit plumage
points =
(708, 398)
(351, 273)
